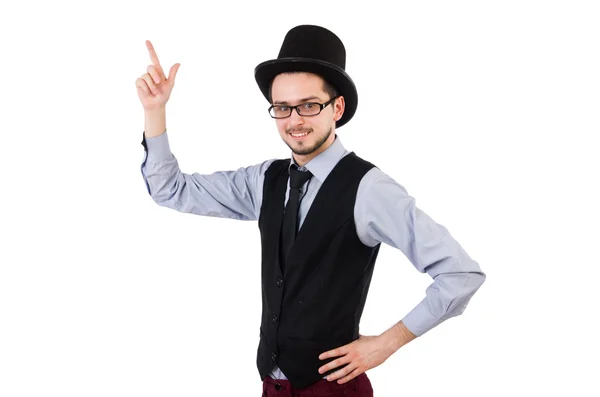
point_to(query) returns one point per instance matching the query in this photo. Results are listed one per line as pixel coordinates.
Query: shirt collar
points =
(324, 162)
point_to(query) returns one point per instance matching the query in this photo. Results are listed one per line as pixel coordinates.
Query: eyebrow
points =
(300, 101)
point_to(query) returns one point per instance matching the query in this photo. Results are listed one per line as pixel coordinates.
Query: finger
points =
(173, 72)
(333, 353)
(154, 59)
(141, 85)
(334, 364)
(350, 376)
(154, 73)
(150, 83)
(340, 373)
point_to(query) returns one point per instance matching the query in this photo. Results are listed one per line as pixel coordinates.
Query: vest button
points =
(277, 386)
(279, 282)
(274, 318)
(273, 356)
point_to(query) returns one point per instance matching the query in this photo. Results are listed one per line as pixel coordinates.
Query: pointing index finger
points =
(154, 59)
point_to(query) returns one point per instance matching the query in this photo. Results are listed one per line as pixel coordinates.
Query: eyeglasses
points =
(304, 109)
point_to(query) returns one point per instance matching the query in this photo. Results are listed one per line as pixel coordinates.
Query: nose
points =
(296, 119)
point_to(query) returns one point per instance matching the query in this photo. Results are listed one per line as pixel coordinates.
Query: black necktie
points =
(290, 217)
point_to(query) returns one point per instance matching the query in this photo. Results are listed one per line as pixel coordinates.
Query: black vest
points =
(317, 305)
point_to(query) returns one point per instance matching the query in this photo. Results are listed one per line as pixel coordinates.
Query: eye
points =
(281, 108)
(309, 105)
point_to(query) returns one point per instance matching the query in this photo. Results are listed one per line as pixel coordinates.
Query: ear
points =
(339, 107)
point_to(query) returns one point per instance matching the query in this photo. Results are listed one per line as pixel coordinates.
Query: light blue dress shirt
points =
(384, 213)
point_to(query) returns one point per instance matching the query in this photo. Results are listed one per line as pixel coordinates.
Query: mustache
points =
(292, 130)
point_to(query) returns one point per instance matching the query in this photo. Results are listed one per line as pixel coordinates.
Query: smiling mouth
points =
(299, 135)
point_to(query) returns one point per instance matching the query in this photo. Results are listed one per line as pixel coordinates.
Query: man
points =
(322, 215)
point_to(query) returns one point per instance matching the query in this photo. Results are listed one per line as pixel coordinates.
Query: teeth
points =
(299, 135)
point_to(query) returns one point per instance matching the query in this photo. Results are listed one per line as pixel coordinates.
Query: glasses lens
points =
(280, 111)
(309, 109)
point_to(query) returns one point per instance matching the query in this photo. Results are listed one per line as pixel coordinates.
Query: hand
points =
(361, 355)
(153, 88)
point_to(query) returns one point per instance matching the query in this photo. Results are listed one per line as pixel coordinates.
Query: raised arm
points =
(235, 194)
(226, 194)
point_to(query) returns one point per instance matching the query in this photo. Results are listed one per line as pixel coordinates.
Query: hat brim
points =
(265, 72)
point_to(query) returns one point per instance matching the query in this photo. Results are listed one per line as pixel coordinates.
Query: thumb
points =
(173, 72)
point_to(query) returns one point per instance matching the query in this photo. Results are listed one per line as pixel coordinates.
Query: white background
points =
(486, 112)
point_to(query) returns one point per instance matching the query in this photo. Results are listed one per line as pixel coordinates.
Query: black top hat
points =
(314, 49)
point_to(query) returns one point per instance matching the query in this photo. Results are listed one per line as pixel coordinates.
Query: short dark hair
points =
(327, 87)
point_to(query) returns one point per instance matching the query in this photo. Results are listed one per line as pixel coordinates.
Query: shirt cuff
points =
(420, 319)
(158, 148)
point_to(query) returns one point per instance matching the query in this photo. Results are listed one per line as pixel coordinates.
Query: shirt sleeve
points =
(235, 194)
(386, 213)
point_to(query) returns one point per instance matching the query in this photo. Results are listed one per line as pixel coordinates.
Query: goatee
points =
(308, 150)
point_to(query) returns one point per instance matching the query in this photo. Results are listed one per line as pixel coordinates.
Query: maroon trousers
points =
(359, 386)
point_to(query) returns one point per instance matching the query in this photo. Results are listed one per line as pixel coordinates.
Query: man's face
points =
(297, 88)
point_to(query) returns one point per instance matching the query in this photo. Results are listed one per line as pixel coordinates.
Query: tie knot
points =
(297, 177)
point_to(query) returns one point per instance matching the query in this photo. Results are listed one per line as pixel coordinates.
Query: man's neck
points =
(302, 160)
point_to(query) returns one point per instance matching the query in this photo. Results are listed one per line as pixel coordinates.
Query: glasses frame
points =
(320, 105)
